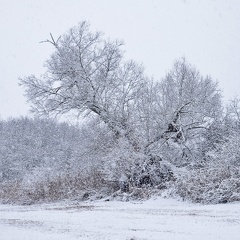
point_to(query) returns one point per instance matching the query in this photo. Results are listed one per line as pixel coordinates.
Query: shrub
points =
(49, 187)
(210, 185)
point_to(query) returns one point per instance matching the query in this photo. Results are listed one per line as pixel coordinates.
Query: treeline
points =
(43, 160)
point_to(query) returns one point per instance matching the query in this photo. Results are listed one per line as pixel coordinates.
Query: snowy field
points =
(153, 219)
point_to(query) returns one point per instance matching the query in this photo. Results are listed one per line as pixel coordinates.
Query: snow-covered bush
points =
(210, 185)
(136, 169)
(66, 185)
(218, 181)
(47, 186)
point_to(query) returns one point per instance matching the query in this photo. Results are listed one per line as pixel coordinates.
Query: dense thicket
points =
(138, 133)
(41, 159)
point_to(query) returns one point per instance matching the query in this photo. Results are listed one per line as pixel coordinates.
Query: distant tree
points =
(233, 112)
(27, 144)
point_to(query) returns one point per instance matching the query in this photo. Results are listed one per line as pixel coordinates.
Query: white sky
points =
(156, 32)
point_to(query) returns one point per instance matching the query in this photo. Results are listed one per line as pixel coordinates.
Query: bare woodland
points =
(136, 135)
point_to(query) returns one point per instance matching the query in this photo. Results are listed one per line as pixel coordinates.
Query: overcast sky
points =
(155, 32)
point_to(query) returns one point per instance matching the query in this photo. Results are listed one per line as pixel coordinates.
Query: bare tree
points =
(186, 104)
(87, 73)
(233, 110)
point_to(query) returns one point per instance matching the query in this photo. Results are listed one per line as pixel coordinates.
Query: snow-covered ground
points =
(153, 219)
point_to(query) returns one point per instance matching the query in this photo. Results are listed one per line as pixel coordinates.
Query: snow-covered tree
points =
(87, 73)
(153, 120)
(186, 105)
